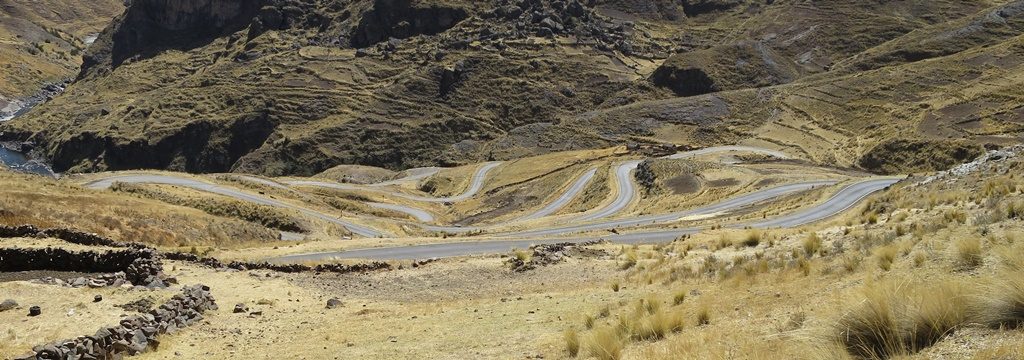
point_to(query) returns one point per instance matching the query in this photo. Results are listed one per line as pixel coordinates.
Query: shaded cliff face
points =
(149, 27)
(397, 19)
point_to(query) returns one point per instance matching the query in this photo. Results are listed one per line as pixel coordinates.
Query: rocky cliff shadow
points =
(398, 19)
(149, 27)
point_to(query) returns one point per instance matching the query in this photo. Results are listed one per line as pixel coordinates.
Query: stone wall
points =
(134, 334)
(69, 235)
(140, 266)
(285, 268)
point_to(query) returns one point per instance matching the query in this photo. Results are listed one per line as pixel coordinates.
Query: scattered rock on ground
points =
(8, 304)
(547, 254)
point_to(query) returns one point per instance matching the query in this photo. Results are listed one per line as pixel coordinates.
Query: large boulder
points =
(745, 64)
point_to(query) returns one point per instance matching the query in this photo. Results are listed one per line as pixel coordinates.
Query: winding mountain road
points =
(105, 183)
(475, 185)
(727, 148)
(564, 199)
(585, 222)
(420, 215)
(624, 195)
(721, 207)
(843, 199)
(413, 175)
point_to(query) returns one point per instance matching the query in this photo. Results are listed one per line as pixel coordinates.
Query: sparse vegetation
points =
(752, 239)
(572, 342)
(812, 244)
(968, 252)
(885, 257)
(843, 87)
(678, 298)
(630, 258)
(523, 255)
(703, 315)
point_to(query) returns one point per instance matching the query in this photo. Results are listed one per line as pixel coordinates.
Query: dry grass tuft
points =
(678, 298)
(752, 239)
(1015, 210)
(812, 244)
(605, 344)
(630, 258)
(894, 319)
(1002, 302)
(919, 258)
(703, 315)
(572, 342)
(886, 255)
(968, 252)
(523, 255)
(851, 262)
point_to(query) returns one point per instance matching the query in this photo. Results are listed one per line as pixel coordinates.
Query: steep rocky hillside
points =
(42, 42)
(297, 87)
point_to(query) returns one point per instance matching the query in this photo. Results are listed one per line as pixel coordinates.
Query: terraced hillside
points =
(289, 87)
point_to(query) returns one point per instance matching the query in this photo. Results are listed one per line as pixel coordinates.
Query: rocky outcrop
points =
(651, 9)
(135, 334)
(901, 156)
(548, 254)
(745, 64)
(645, 176)
(401, 19)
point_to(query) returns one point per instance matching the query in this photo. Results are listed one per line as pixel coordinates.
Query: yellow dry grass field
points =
(48, 203)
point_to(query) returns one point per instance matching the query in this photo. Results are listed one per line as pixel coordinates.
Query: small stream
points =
(11, 155)
(20, 162)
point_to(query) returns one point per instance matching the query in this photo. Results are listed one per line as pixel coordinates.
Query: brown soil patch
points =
(684, 184)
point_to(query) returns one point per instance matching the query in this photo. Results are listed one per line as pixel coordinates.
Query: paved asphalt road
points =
(566, 197)
(843, 199)
(839, 202)
(721, 207)
(623, 174)
(624, 196)
(718, 149)
(230, 192)
(476, 184)
(420, 215)
(413, 175)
